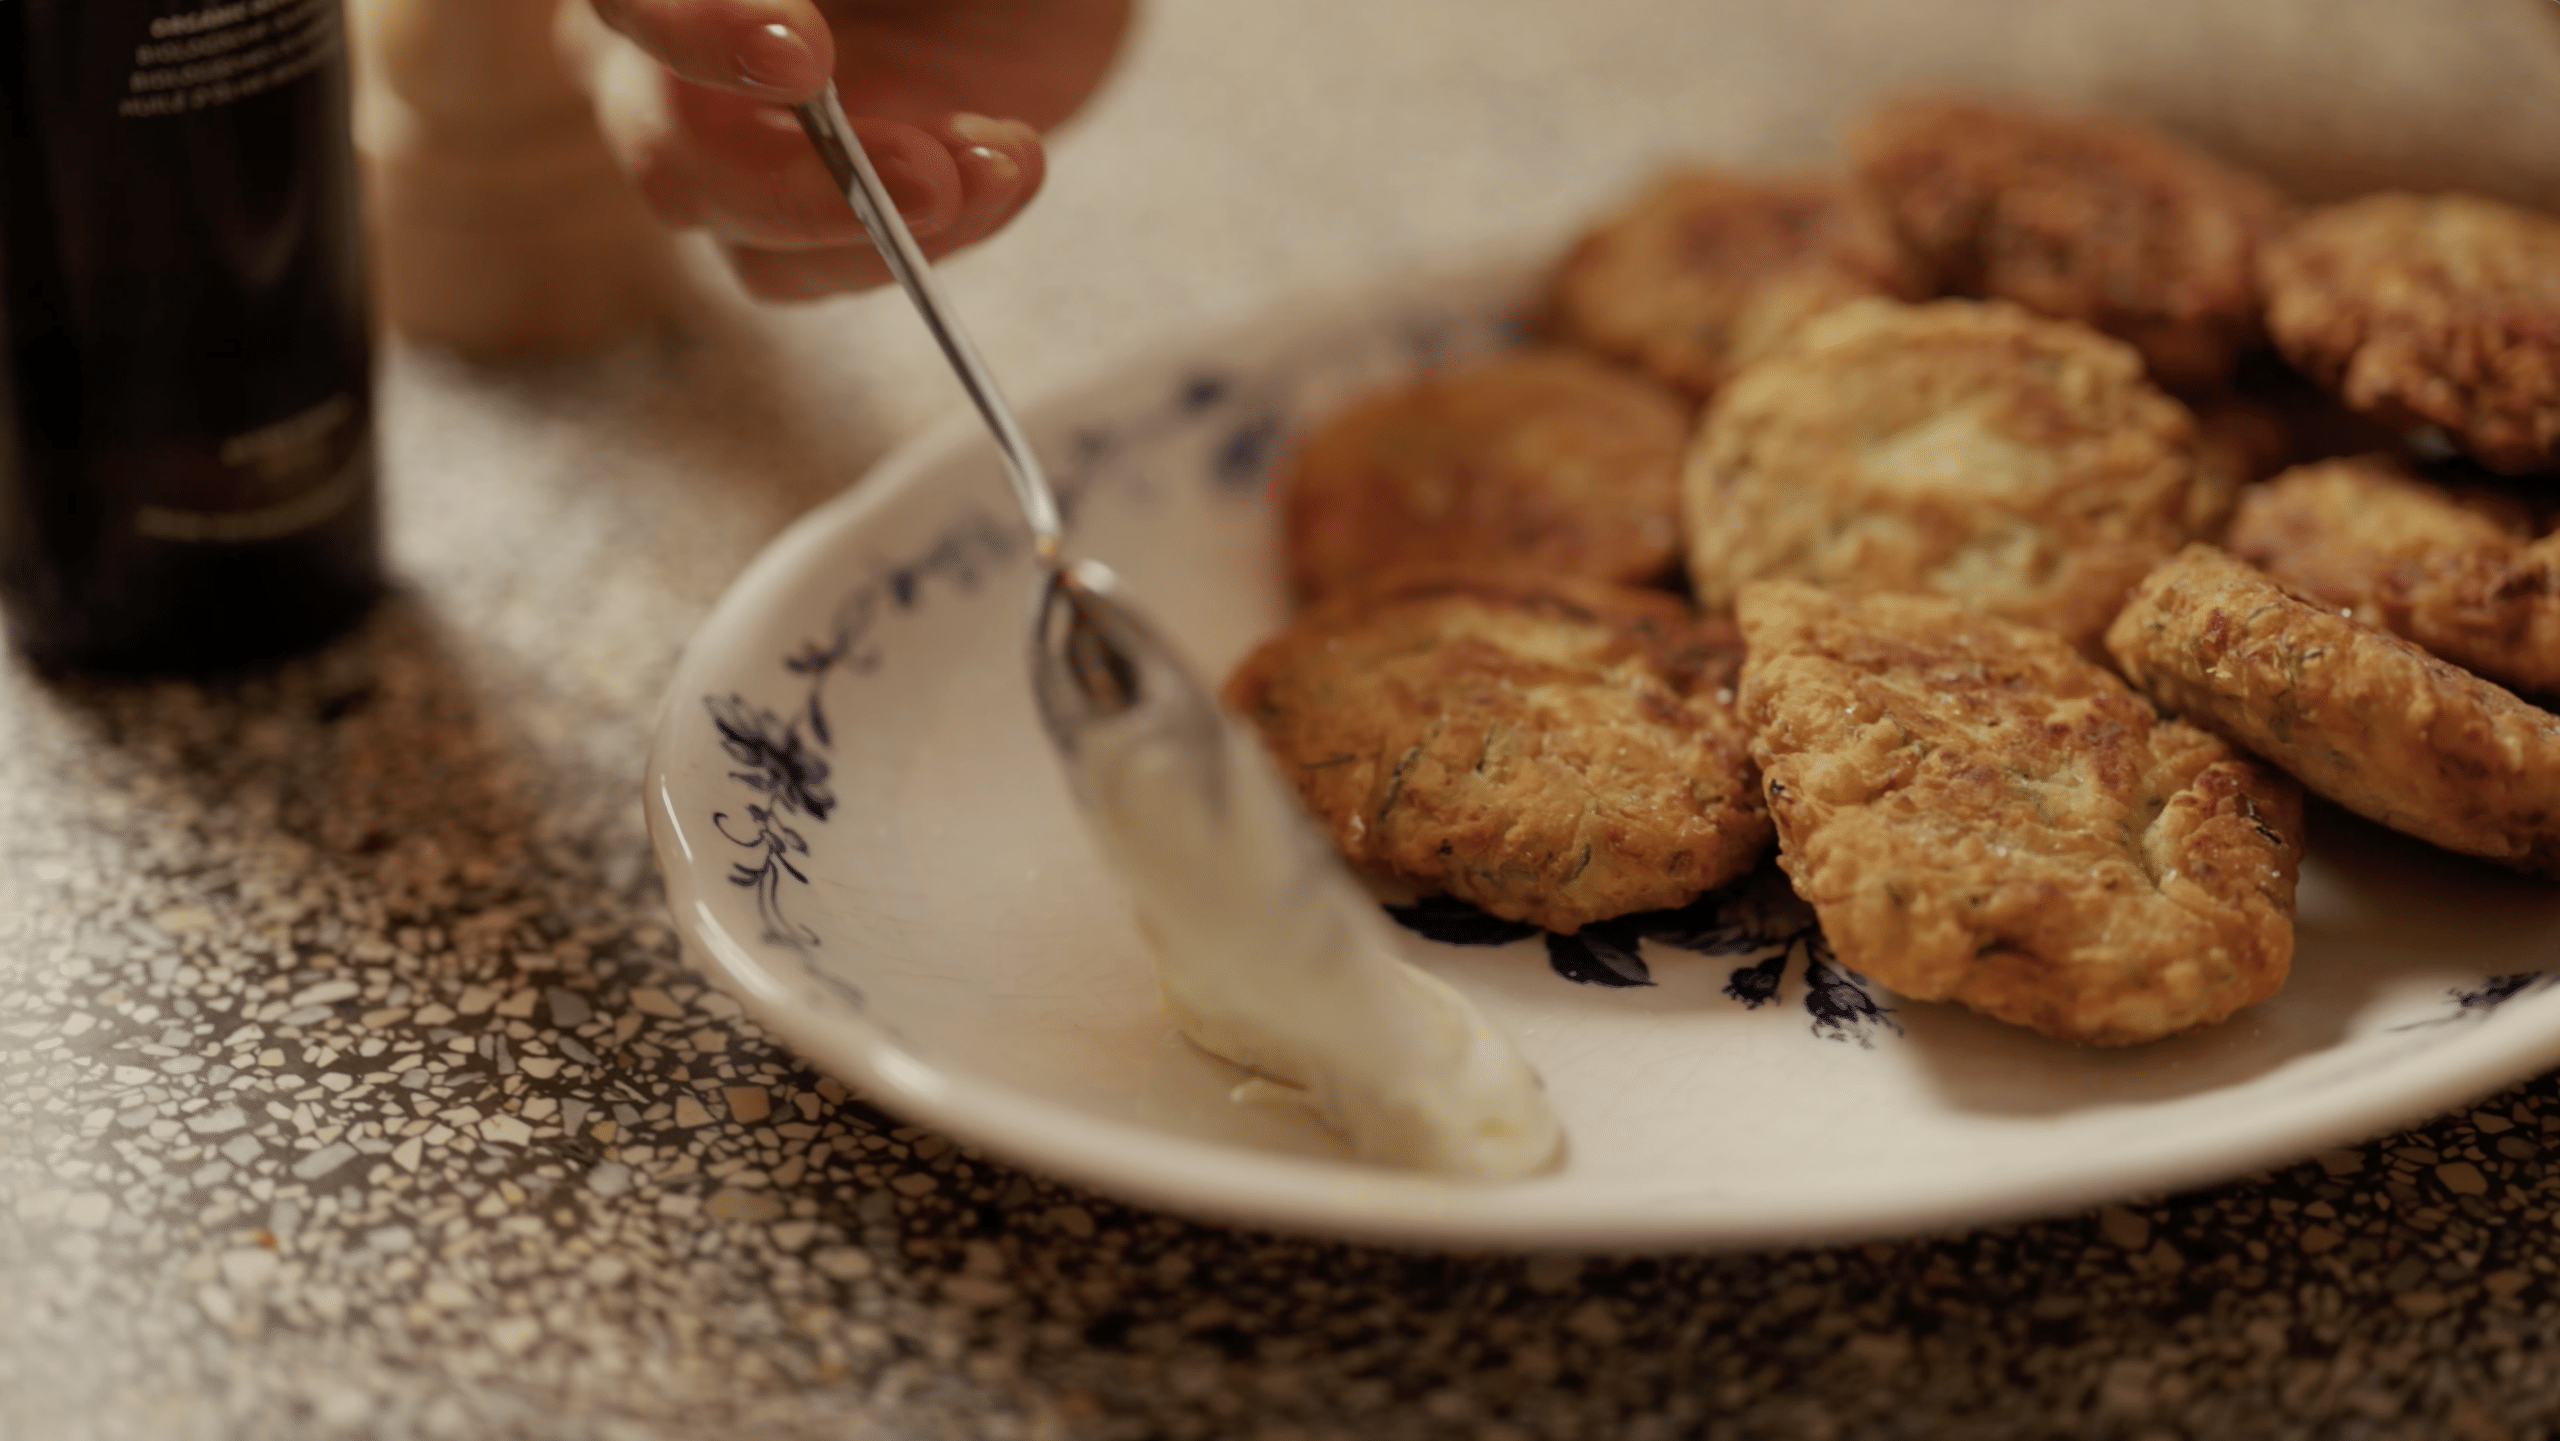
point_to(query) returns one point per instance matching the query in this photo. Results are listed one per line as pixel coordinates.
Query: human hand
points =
(948, 96)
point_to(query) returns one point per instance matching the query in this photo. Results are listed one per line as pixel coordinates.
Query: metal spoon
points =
(1092, 655)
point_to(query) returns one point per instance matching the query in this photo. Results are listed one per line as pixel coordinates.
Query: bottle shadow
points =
(344, 793)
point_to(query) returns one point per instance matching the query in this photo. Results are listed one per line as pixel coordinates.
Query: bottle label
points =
(272, 481)
(228, 52)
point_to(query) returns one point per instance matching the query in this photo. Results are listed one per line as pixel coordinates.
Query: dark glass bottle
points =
(186, 403)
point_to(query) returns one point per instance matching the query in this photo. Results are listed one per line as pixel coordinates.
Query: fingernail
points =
(987, 132)
(773, 58)
(997, 164)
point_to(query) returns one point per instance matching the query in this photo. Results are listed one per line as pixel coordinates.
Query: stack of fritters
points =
(2357, 714)
(1925, 429)
(2355, 630)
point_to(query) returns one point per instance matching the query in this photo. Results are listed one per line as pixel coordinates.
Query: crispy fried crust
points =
(2459, 573)
(2356, 714)
(1979, 814)
(1706, 270)
(1959, 448)
(2443, 309)
(2103, 221)
(1558, 752)
(1544, 458)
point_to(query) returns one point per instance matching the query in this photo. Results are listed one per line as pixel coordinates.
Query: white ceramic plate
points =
(865, 837)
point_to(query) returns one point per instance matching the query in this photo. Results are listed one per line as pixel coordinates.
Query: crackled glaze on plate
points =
(866, 838)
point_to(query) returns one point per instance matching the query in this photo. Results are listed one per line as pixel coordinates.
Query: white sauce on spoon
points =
(1270, 955)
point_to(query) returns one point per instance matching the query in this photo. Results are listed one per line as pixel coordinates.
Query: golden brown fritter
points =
(1542, 458)
(2356, 714)
(2457, 572)
(2101, 220)
(1979, 814)
(1558, 752)
(1960, 448)
(2438, 309)
(1706, 270)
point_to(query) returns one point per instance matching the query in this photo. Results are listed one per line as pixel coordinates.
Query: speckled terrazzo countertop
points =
(351, 1084)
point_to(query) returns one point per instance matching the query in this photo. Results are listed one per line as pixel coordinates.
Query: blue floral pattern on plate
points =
(1758, 918)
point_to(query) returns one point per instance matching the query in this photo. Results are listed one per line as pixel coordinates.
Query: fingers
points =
(746, 172)
(741, 168)
(999, 166)
(770, 49)
(717, 158)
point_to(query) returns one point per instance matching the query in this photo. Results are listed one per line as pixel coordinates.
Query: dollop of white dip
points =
(1272, 956)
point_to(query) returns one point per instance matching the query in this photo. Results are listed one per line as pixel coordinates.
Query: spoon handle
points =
(824, 120)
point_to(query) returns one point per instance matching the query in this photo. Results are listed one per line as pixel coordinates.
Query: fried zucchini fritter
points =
(1707, 269)
(2458, 573)
(1554, 751)
(1966, 449)
(1543, 458)
(2101, 220)
(1978, 813)
(2355, 713)
(2439, 309)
